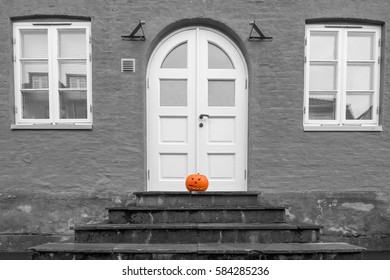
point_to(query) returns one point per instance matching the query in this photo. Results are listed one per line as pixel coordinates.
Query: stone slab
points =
(193, 214)
(197, 251)
(195, 208)
(196, 198)
(200, 233)
(280, 248)
(236, 226)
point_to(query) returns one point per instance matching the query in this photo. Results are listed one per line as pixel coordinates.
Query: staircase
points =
(205, 225)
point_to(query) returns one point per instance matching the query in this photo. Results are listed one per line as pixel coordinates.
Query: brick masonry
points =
(52, 179)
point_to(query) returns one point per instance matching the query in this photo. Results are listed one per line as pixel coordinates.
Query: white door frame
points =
(190, 113)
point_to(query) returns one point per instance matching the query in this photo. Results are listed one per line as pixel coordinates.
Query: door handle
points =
(201, 116)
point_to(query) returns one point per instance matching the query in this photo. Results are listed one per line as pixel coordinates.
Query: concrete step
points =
(183, 199)
(243, 251)
(196, 233)
(196, 214)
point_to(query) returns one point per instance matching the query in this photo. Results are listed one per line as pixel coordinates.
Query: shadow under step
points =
(185, 198)
(196, 214)
(196, 233)
(243, 251)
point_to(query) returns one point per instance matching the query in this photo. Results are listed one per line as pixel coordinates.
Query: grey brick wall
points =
(86, 170)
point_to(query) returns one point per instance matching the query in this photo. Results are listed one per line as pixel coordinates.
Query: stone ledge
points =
(233, 226)
(214, 248)
(193, 208)
(207, 193)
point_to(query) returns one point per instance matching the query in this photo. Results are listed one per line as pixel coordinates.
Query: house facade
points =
(87, 117)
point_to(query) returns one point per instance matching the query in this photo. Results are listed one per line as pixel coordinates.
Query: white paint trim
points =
(52, 32)
(341, 91)
(52, 126)
(342, 128)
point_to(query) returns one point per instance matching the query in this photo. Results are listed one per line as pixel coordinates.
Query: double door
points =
(197, 112)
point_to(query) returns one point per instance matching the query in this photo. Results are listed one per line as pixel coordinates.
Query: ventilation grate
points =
(128, 65)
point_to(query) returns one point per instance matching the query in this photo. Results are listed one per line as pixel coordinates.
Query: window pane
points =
(218, 59)
(360, 46)
(72, 43)
(221, 93)
(323, 76)
(359, 106)
(35, 104)
(323, 45)
(177, 58)
(322, 106)
(73, 104)
(72, 74)
(173, 92)
(34, 75)
(359, 76)
(34, 44)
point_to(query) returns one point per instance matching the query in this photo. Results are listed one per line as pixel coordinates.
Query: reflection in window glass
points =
(177, 58)
(35, 75)
(359, 106)
(173, 92)
(323, 76)
(72, 43)
(322, 107)
(35, 104)
(360, 46)
(323, 45)
(73, 104)
(72, 74)
(34, 44)
(218, 59)
(359, 76)
(221, 93)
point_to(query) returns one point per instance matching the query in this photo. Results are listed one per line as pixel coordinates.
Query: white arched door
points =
(197, 112)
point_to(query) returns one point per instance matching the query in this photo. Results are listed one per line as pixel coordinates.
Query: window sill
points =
(342, 128)
(52, 126)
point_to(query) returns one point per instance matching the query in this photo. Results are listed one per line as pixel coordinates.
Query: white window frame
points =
(340, 122)
(54, 121)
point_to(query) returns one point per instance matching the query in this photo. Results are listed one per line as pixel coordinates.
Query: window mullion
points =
(307, 73)
(376, 78)
(343, 76)
(18, 98)
(54, 112)
(89, 72)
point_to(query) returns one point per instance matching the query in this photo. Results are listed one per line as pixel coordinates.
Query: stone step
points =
(196, 214)
(196, 233)
(178, 199)
(232, 251)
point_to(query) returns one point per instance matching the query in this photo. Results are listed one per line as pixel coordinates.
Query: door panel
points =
(210, 81)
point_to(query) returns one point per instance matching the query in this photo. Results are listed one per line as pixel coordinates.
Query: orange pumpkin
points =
(197, 183)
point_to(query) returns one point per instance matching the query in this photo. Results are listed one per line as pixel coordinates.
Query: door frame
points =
(246, 74)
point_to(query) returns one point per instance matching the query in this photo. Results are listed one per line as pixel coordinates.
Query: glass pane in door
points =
(173, 92)
(221, 93)
(176, 58)
(217, 58)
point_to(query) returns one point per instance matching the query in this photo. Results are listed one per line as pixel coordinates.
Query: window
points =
(342, 77)
(52, 69)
